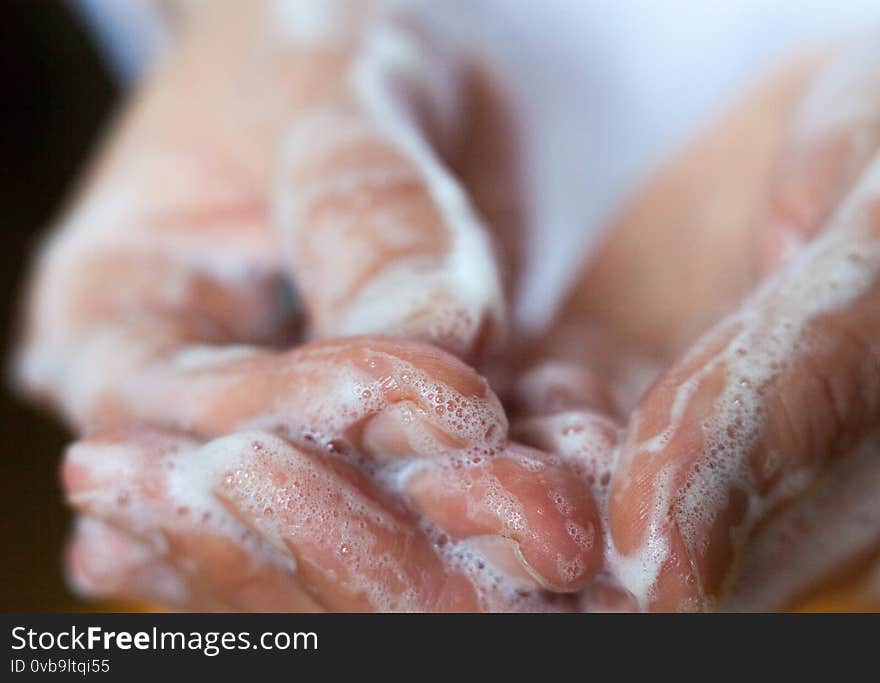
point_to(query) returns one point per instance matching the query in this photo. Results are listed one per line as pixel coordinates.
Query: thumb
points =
(380, 235)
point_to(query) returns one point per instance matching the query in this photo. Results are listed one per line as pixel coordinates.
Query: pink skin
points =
(354, 547)
(588, 442)
(816, 405)
(104, 560)
(265, 502)
(554, 386)
(469, 470)
(585, 439)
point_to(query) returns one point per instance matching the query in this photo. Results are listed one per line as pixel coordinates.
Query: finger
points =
(140, 483)
(264, 524)
(268, 526)
(555, 386)
(323, 536)
(753, 412)
(377, 403)
(588, 443)
(324, 393)
(382, 237)
(393, 400)
(354, 548)
(522, 495)
(105, 562)
(834, 134)
(585, 440)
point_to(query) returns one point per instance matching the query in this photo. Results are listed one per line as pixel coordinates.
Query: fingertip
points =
(557, 386)
(540, 506)
(104, 562)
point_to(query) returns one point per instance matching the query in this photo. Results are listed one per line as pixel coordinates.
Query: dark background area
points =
(58, 95)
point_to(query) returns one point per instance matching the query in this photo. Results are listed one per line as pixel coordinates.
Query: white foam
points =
(638, 571)
(203, 357)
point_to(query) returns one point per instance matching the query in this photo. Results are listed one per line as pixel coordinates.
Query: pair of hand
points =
(372, 467)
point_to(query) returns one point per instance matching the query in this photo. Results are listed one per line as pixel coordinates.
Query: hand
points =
(222, 472)
(748, 476)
